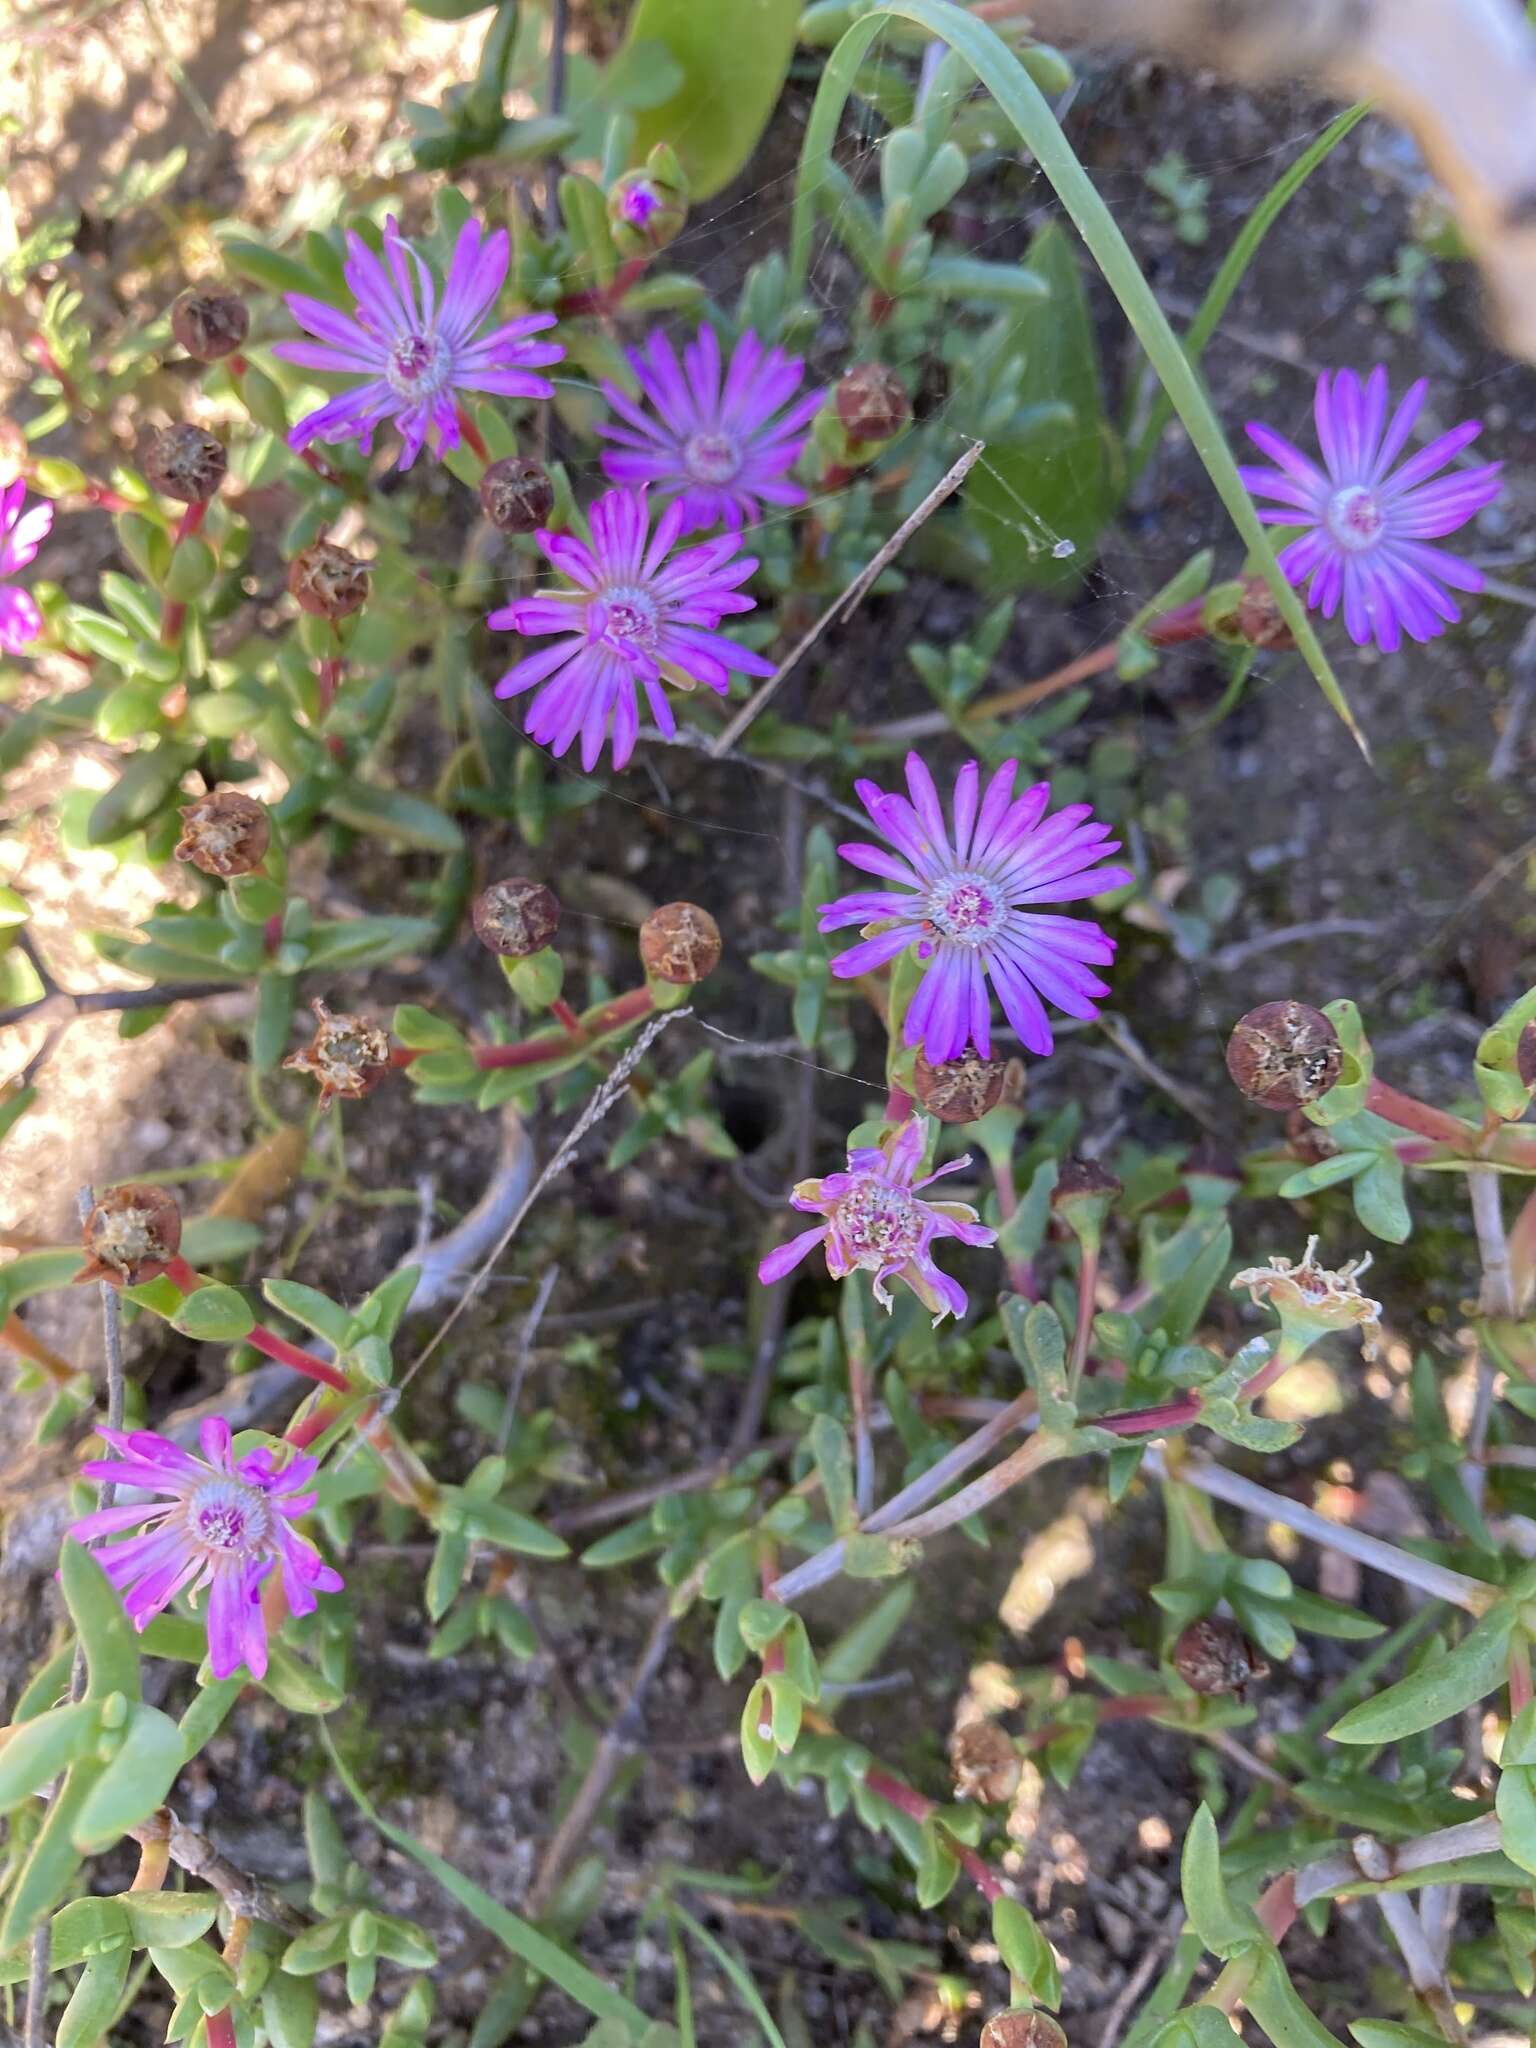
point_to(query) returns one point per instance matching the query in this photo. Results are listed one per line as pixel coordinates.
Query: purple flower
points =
(222, 1526)
(724, 450)
(1368, 523)
(634, 621)
(968, 906)
(21, 535)
(873, 1218)
(411, 355)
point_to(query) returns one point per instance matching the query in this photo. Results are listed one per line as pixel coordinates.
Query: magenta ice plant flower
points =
(967, 901)
(412, 353)
(21, 535)
(720, 439)
(872, 1217)
(222, 1525)
(638, 617)
(1368, 524)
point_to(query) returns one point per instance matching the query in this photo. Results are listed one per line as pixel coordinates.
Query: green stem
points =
(1022, 102)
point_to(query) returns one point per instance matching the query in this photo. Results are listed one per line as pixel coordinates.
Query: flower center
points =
(417, 363)
(966, 908)
(228, 1517)
(881, 1225)
(711, 458)
(1354, 517)
(625, 619)
(639, 203)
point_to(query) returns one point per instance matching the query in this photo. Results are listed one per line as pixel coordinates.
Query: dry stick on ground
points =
(949, 482)
(1460, 74)
(246, 1897)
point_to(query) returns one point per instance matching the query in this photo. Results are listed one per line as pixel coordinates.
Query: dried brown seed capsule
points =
(1525, 1056)
(517, 494)
(327, 581)
(209, 325)
(516, 917)
(185, 463)
(131, 1236)
(680, 943)
(225, 834)
(872, 402)
(1213, 1656)
(959, 1091)
(1079, 1178)
(1022, 2030)
(1258, 617)
(347, 1055)
(1283, 1055)
(1307, 1141)
(986, 1764)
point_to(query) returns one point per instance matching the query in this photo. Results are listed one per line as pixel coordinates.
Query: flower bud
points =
(959, 1091)
(872, 402)
(209, 325)
(327, 581)
(1021, 2029)
(986, 1763)
(517, 494)
(1283, 1055)
(516, 918)
(1213, 1656)
(131, 1236)
(225, 834)
(648, 208)
(347, 1055)
(1083, 1196)
(1525, 1056)
(185, 463)
(680, 943)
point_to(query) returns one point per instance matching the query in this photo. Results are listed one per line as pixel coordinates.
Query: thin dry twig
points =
(842, 606)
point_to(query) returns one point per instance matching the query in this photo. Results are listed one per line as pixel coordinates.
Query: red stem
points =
(329, 677)
(920, 1809)
(605, 297)
(181, 1275)
(898, 1104)
(1277, 1908)
(220, 2029)
(625, 1009)
(473, 436)
(173, 613)
(1409, 1114)
(566, 1017)
(1520, 1689)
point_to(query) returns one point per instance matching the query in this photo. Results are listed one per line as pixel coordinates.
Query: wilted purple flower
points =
(967, 906)
(412, 354)
(21, 535)
(223, 1526)
(1368, 522)
(874, 1219)
(634, 621)
(724, 450)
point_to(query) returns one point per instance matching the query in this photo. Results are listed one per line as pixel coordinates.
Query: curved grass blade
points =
(1024, 105)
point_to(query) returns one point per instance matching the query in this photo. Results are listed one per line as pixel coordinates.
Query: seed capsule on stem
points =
(348, 1056)
(184, 462)
(871, 403)
(131, 1235)
(1022, 2030)
(327, 581)
(210, 325)
(517, 494)
(516, 918)
(986, 1763)
(225, 833)
(1284, 1055)
(1214, 1657)
(680, 944)
(959, 1091)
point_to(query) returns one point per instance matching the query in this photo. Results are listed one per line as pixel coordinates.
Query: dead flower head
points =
(347, 1055)
(1309, 1299)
